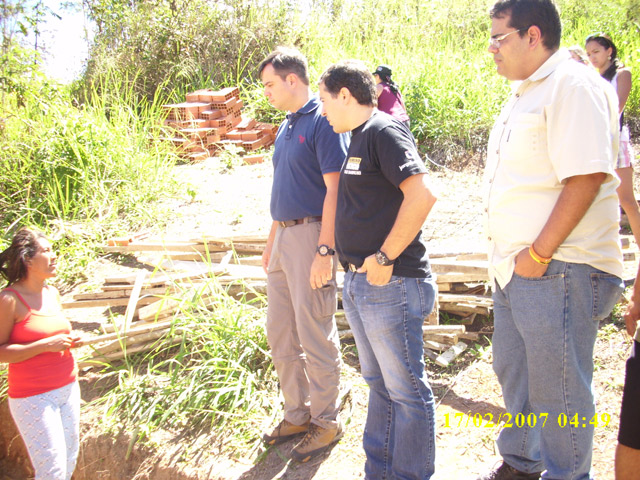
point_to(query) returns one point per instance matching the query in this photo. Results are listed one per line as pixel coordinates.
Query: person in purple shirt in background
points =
(389, 96)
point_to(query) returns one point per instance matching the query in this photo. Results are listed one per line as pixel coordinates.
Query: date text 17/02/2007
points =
(520, 420)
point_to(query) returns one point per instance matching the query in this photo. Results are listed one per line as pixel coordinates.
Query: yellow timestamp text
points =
(520, 420)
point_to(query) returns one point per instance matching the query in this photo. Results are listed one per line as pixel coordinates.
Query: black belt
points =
(298, 221)
(349, 267)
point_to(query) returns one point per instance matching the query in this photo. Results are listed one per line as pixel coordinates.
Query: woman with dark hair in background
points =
(389, 96)
(603, 55)
(35, 338)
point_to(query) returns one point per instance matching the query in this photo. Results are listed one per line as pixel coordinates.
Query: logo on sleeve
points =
(412, 157)
(353, 166)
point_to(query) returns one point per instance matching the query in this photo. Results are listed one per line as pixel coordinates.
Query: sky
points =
(65, 43)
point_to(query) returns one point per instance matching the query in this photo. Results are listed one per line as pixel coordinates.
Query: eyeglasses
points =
(496, 42)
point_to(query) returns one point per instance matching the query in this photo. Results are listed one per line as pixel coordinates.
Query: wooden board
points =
(448, 338)
(447, 266)
(133, 299)
(461, 277)
(108, 302)
(111, 291)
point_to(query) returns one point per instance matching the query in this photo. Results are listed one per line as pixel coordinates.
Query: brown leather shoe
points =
(316, 441)
(284, 431)
(507, 472)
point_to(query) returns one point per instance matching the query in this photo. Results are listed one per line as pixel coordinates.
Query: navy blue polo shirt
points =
(306, 148)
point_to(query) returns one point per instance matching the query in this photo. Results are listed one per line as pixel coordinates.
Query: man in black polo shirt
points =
(383, 201)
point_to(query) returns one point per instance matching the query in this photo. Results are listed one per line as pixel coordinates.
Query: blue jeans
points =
(545, 331)
(399, 435)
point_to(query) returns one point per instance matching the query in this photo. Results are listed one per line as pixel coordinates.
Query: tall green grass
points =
(216, 376)
(437, 50)
(438, 53)
(81, 173)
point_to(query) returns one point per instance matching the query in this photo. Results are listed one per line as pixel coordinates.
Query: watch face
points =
(382, 259)
(323, 250)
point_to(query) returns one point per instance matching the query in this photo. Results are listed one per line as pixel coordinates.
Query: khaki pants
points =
(301, 329)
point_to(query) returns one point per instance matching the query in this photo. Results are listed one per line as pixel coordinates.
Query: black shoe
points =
(507, 472)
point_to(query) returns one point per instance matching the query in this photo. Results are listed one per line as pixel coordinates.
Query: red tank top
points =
(44, 372)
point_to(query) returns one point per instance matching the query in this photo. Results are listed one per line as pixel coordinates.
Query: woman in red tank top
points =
(35, 340)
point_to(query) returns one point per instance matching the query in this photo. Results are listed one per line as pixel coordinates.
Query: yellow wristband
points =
(537, 258)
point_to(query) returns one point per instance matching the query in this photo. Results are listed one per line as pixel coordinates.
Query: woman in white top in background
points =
(603, 55)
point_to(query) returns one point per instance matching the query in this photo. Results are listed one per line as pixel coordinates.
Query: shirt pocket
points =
(524, 142)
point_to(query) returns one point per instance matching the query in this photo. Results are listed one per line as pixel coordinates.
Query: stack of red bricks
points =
(209, 120)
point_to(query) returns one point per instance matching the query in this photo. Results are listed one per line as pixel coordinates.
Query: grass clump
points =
(215, 376)
(81, 173)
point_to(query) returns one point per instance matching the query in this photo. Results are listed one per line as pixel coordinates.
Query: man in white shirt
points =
(552, 228)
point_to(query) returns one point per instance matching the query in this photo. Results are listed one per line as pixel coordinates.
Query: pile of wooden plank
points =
(461, 279)
(235, 262)
(209, 120)
(154, 299)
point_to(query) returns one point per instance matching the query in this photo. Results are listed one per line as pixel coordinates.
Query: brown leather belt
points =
(299, 221)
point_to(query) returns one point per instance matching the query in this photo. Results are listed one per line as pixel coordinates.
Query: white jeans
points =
(49, 424)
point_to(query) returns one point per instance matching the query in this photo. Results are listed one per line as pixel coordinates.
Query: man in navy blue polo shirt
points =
(383, 201)
(299, 258)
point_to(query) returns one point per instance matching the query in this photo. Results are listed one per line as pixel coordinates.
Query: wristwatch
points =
(382, 259)
(324, 250)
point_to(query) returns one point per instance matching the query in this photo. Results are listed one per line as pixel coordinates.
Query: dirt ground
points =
(236, 202)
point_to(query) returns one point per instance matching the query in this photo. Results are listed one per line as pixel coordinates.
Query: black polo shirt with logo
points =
(382, 154)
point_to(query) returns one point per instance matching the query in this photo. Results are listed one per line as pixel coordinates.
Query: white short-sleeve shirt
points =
(560, 122)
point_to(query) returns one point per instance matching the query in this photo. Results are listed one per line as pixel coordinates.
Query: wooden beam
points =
(129, 340)
(448, 338)
(447, 266)
(133, 331)
(120, 292)
(108, 302)
(455, 329)
(433, 345)
(461, 277)
(99, 361)
(133, 300)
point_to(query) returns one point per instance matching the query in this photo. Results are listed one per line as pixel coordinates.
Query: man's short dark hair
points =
(526, 13)
(286, 60)
(355, 77)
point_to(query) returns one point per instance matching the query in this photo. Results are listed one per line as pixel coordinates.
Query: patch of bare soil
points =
(237, 202)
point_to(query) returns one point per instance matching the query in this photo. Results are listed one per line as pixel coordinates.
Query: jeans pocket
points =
(428, 294)
(606, 289)
(324, 300)
(543, 278)
(393, 281)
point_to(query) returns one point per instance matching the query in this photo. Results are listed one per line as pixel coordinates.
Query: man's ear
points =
(291, 79)
(535, 36)
(344, 94)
